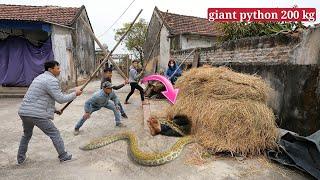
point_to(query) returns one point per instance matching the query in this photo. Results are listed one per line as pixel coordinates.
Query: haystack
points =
(227, 110)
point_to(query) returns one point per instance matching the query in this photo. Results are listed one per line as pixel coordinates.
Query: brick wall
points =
(272, 49)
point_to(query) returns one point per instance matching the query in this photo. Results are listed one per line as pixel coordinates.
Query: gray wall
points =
(61, 42)
(194, 41)
(295, 99)
(308, 50)
(270, 49)
(164, 49)
(153, 29)
(83, 49)
(74, 50)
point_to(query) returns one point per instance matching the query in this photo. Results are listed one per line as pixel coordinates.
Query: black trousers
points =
(135, 85)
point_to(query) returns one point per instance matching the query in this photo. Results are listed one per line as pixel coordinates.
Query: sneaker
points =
(124, 115)
(120, 125)
(76, 132)
(21, 162)
(66, 158)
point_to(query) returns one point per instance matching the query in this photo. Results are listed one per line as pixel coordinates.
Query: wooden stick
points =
(127, 68)
(154, 44)
(106, 57)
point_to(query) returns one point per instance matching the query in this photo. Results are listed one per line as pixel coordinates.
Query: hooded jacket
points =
(171, 70)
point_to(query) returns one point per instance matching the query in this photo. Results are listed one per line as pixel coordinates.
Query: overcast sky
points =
(103, 13)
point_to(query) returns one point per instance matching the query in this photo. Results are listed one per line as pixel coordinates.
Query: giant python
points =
(141, 157)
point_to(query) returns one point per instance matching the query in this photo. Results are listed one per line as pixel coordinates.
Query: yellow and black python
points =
(143, 158)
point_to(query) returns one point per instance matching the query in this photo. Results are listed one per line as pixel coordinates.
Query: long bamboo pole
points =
(106, 57)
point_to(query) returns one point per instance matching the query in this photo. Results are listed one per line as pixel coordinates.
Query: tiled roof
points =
(181, 24)
(54, 14)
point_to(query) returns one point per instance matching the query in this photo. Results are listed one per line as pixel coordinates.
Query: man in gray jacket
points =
(38, 108)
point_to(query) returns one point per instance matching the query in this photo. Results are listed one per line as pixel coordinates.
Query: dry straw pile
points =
(227, 110)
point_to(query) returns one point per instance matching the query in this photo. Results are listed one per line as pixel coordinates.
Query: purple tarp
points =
(21, 61)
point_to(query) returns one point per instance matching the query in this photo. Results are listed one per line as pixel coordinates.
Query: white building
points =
(179, 32)
(61, 28)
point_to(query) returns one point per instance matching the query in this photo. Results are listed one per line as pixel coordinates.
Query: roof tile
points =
(179, 24)
(54, 14)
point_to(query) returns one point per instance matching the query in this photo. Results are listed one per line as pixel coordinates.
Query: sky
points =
(103, 13)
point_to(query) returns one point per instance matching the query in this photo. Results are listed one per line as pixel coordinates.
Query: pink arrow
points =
(170, 93)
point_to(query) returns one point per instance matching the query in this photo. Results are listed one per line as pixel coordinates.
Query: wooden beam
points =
(57, 24)
(196, 58)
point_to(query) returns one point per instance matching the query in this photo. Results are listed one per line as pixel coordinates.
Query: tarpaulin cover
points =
(300, 152)
(21, 61)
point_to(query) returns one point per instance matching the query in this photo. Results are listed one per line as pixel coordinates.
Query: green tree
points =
(135, 38)
(238, 30)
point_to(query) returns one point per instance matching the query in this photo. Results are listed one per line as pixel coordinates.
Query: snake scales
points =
(141, 157)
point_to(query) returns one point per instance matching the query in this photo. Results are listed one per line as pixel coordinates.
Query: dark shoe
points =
(120, 125)
(76, 132)
(124, 115)
(66, 158)
(126, 102)
(21, 161)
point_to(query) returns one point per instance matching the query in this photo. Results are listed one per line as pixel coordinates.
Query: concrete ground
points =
(112, 161)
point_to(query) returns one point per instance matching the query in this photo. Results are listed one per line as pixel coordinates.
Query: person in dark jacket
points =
(107, 75)
(173, 71)
(38, 108)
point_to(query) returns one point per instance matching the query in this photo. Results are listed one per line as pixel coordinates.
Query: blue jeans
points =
(121, 108)
(110, 106)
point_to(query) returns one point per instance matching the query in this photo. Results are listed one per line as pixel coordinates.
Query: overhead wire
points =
(117, 19)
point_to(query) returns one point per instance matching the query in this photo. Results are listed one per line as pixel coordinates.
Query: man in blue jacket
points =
(107, 75)
(101, 99)
(38, 108)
